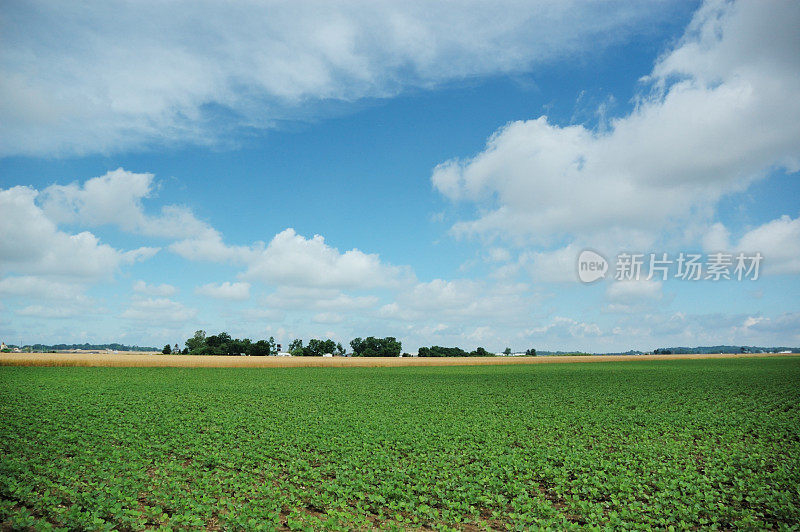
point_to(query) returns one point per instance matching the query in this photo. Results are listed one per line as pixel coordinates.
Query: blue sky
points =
(429, 171)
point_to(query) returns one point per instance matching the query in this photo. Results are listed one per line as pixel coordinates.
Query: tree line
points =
(438, 351)
(315, 348)
(224, 344)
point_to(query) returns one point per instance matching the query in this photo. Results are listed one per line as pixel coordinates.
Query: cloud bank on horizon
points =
(108, 258)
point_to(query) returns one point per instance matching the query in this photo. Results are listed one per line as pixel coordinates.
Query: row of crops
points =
(694, 444)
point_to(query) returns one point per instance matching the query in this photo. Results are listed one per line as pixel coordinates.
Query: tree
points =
(296, 348)
(196, 342)
(530, 352)
(176, 349)
(313, 349)
(239, 347)
(437, 351)
(167, 350)
(507, 351)
(480, 352)
(221, 344)
(317, 348)
(260, 348)
(358, 346)
(339, 350)
(295, 344)
(376, 347)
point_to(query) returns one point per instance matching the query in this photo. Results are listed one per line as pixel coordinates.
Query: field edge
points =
(214, 361)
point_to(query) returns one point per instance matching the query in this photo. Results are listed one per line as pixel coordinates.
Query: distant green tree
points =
(196, 342)
(260, 348)
(357, 344)
(221, 344)
(238, 347)
(507, 351)
(295, 345)
(438, 351)
(313, 349)
(480, 352)
(317, 348)
(167, 350)
(213, 345)
(376, 347)
(530, 352)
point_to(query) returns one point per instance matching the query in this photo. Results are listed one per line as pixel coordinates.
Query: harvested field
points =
(195, 361)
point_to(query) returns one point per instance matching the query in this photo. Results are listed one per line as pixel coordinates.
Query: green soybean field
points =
(688, 444)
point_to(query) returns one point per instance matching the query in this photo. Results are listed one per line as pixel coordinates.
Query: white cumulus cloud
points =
(31, 243)
(291, 259)
(462, 301)
(117, 197)
(722, 111)
(564, 328)
(51, 312)
(164, 290)
(158, 310)
(227, 290)
(39, 287)
(328, 317)
(629, 296)
(779, 243)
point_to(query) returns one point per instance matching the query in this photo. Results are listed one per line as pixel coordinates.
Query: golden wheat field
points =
(196, 361)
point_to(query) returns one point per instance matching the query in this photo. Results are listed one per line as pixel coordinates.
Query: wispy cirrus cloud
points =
(131, 75)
